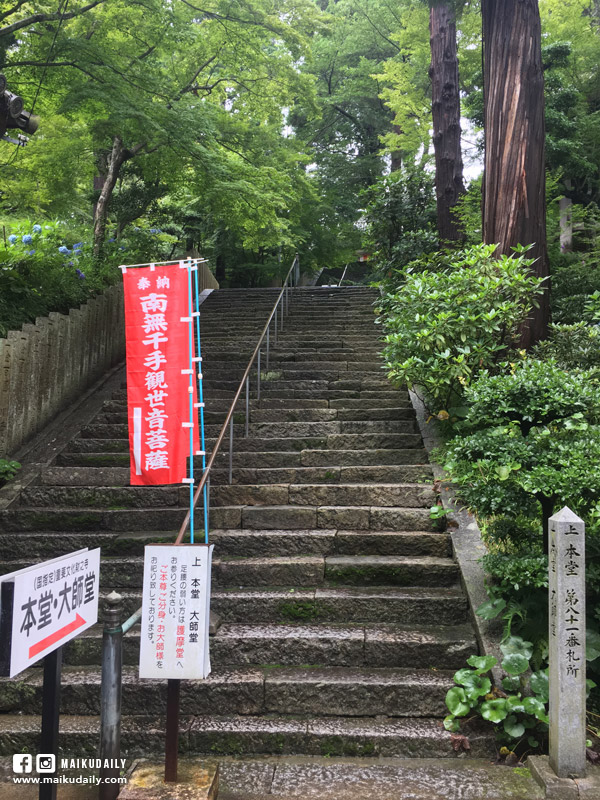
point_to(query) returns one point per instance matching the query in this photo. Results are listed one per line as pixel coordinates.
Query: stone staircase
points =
(342, 614)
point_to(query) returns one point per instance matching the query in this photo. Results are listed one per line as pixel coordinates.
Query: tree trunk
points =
(396, 155)
(101, 161)
(445, 106)
(117, 157)
(514, 203)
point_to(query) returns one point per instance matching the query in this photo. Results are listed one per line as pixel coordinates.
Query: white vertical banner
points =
(176, 611)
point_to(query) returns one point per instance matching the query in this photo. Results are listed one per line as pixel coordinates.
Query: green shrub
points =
(532, 393)
(571, 346)
(444, 327)
(511, 534)
(517, 585)
(573, 282)
(500, 470)
(51, 267)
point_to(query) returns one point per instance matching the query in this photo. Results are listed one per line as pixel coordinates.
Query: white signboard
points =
(47, 605)
(175, 611)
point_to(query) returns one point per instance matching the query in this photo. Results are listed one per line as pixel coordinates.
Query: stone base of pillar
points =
(198, 779)
(556, 788)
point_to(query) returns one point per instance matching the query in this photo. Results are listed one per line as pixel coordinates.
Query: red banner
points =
(157, 325)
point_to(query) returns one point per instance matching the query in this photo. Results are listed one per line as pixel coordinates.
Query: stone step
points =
(82, 471)
(308, 691)
(292, 571)
(342, 645)
(114, 452)
(281, 415)
(335, 399)
(351, 494)
(258, 444)
(248, 517)
(435, 605)
(240, 543)
(100, 430)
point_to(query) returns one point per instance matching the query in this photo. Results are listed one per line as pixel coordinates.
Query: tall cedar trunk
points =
(117, 157)
(445, 106)
(514, 203)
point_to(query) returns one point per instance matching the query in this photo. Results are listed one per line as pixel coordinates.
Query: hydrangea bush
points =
(51, 267)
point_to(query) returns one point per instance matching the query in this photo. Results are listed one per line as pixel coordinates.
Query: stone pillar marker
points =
(566, 598)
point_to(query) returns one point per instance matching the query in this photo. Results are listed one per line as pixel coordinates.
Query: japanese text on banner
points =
(157, 326)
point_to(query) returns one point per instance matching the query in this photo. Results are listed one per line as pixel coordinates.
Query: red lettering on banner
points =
(158, 394)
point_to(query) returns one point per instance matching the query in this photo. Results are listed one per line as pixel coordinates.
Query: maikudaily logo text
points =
(93, 763)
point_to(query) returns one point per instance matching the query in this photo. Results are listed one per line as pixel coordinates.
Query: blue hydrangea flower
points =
(12, 238)
(78, 246)
(122, 247)
(37, 228)
(30, 252)
(27, 239)
(77, 251)
(112, 238)
(64, 250)
(153, 230)
(71, 263)
(80, 274)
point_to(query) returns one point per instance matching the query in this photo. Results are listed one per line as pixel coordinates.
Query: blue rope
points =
(191, 393)
(201, 401)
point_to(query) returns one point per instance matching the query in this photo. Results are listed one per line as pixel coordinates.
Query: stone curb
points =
(467, 544)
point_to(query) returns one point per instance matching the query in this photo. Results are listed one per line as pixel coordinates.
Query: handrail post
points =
(247, 403)
(208, 500)
(231, 451)
(110, 696)
(281, 314)
(258, 378)
(268, 338)
(275, 328)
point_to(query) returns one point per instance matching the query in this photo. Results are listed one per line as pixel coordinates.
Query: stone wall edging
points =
(467, 545)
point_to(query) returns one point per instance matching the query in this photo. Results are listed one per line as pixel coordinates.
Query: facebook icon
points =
(22, 762)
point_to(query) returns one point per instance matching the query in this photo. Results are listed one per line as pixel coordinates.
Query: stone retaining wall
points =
(45, 366)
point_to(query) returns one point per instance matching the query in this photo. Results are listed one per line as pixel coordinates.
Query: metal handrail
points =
(245, 381)
(112, 652)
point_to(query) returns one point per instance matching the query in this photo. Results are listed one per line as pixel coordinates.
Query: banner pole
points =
(191, 392)
(172, 730)
(201, 401)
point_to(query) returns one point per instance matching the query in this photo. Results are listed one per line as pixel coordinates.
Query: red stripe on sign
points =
(44, 644)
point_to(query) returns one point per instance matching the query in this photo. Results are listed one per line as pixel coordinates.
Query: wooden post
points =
(566, 643)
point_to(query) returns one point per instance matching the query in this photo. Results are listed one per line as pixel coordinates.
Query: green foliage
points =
(8, 469)
(519, 711)
(468, 211)
(532, 393)
(50, 267)
(502, 471)
(444, 327)
(574, 279)
(511, 534)
(400, 218)
(571, 346)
